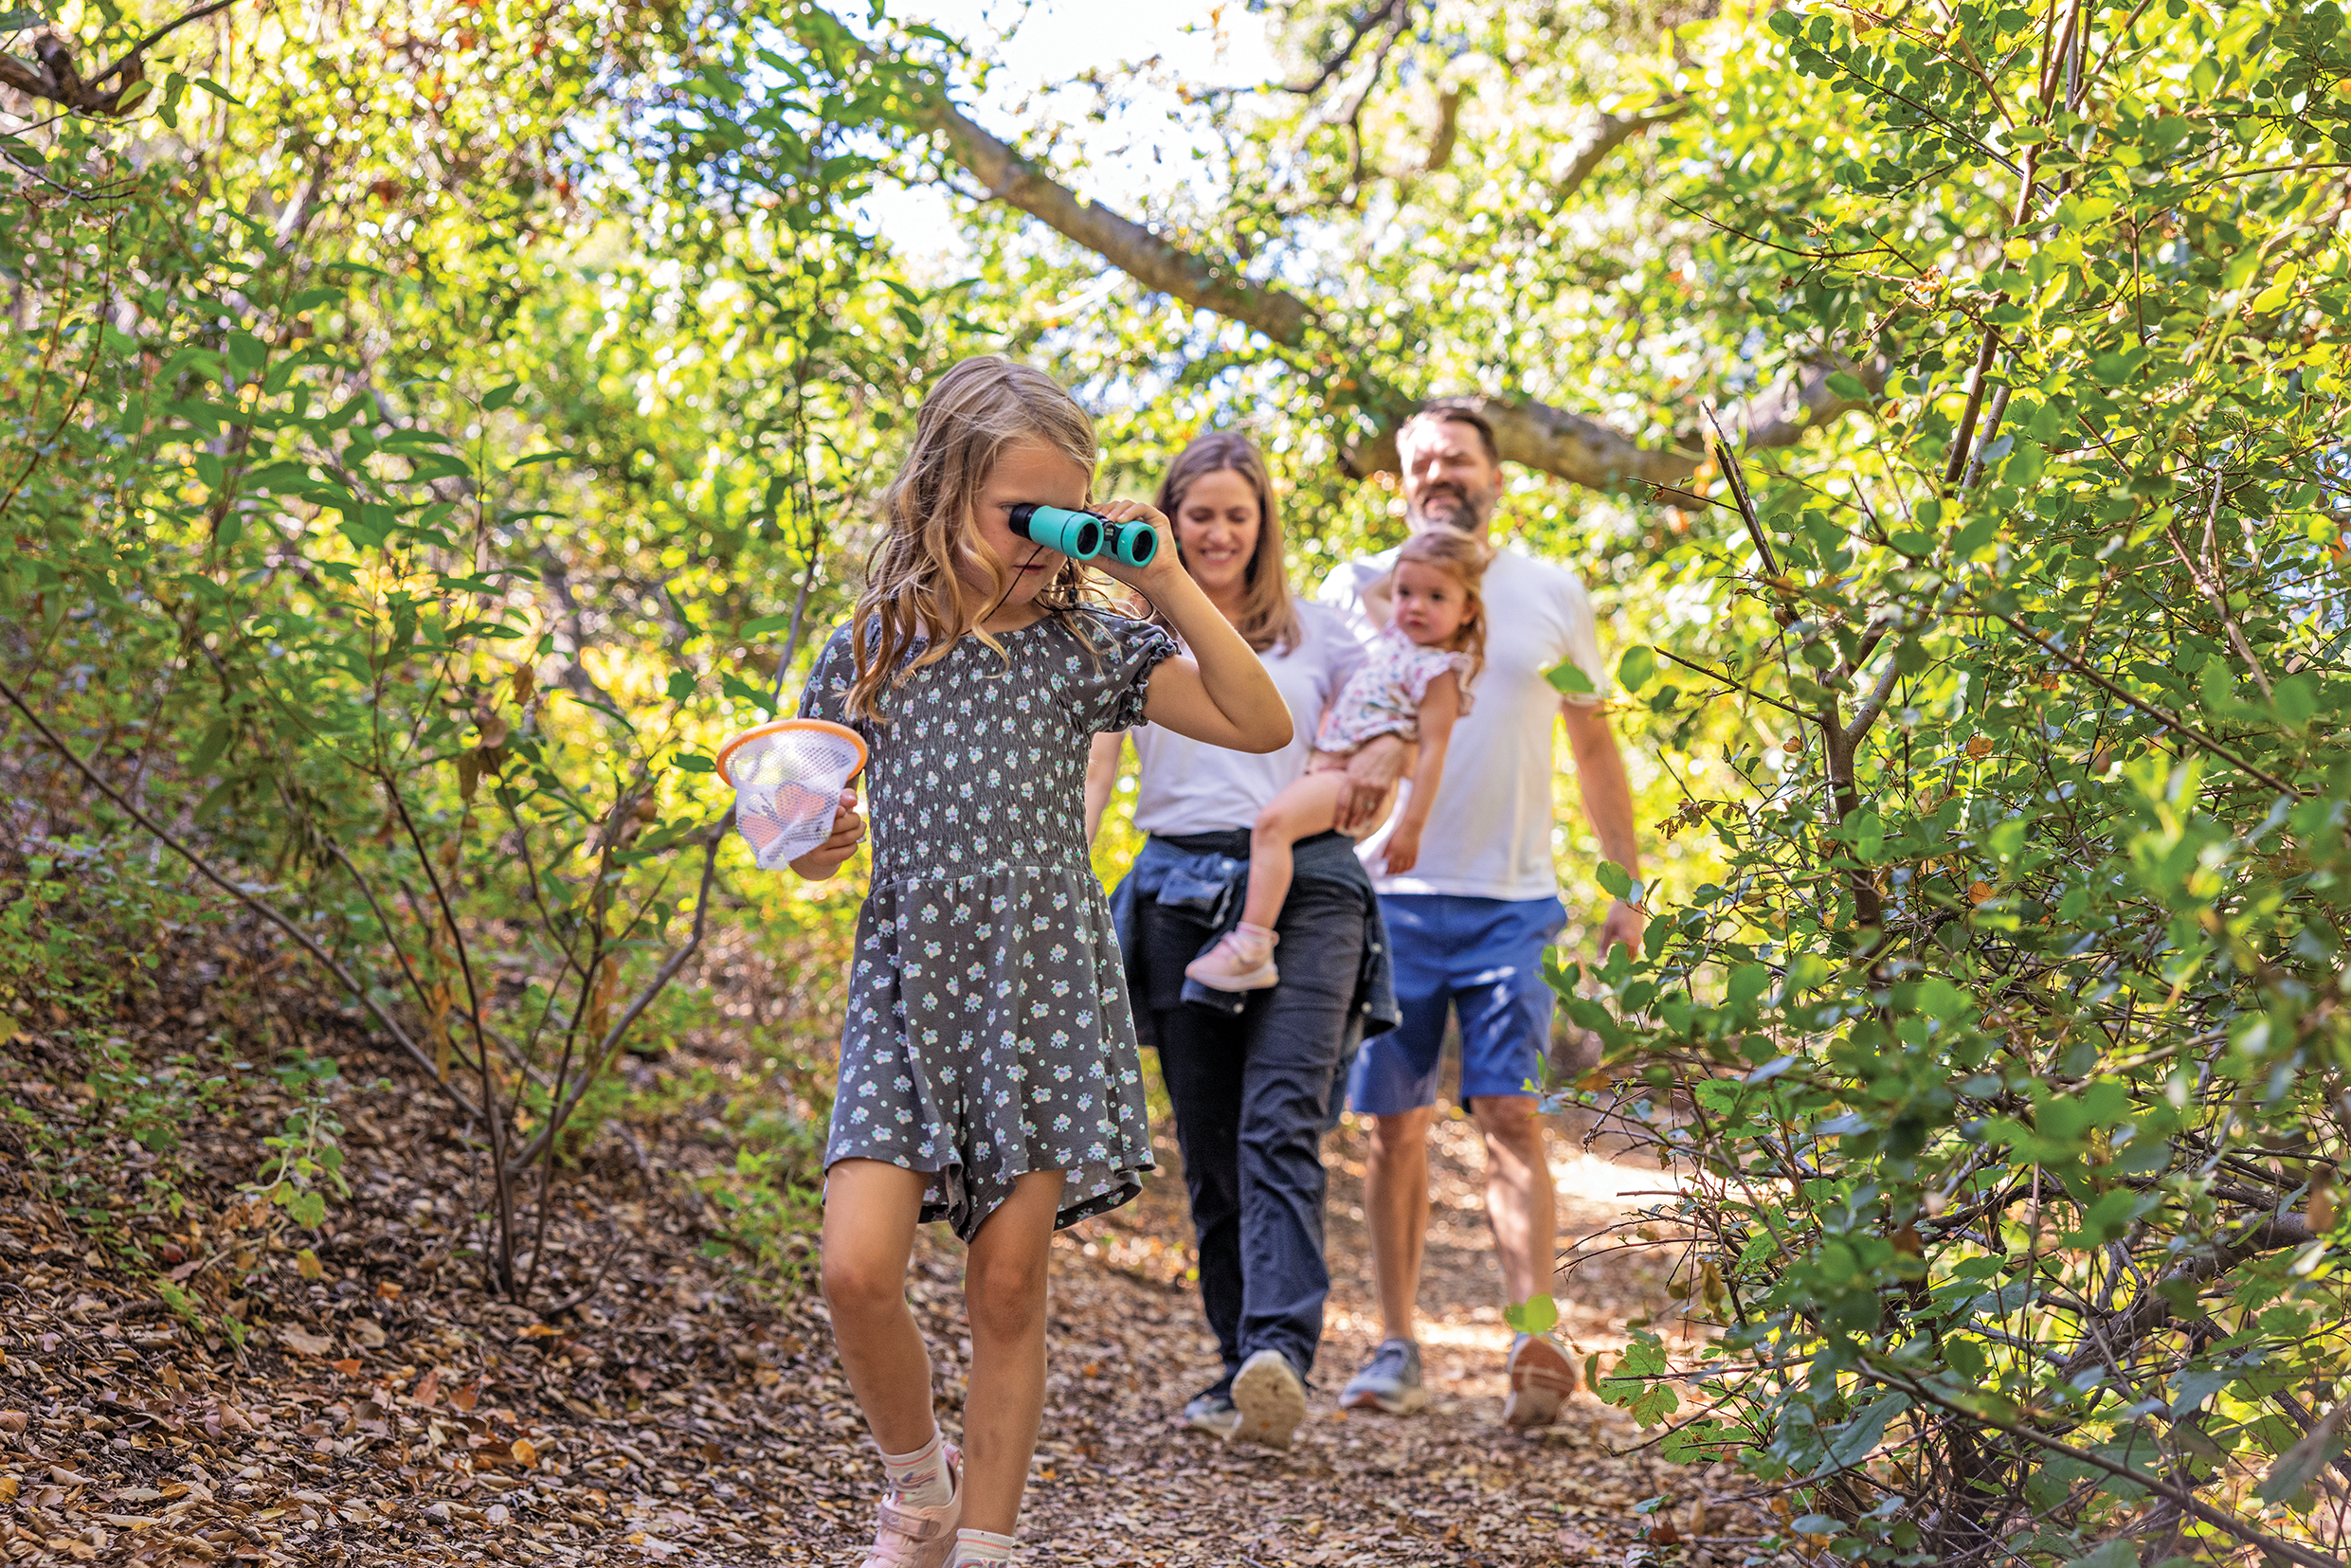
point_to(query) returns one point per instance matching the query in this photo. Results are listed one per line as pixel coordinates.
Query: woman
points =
(1251, 1073)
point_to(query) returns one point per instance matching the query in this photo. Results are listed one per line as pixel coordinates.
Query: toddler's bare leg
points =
(1304, 810)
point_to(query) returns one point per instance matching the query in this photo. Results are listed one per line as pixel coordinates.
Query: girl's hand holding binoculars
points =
(1162, 563)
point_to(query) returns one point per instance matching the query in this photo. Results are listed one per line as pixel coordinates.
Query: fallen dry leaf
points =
(304, 1342)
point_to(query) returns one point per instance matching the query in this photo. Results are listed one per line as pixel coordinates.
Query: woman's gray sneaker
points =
(1390, 1380)
(1213, 1412)
(1272, 1399)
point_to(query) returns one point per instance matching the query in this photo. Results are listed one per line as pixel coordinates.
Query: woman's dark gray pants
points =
(1252, 1096)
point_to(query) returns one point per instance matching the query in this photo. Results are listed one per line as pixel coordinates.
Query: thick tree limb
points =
(1572, 446)
(1208, 282)
(1448, 132)
(1607, 133)
(1576, 448)
(1584, 451)
(1372, 16)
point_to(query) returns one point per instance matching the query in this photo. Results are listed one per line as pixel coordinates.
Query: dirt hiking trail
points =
(651, 1404)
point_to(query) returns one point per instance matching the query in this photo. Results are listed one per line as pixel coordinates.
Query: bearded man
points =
(1469, 922)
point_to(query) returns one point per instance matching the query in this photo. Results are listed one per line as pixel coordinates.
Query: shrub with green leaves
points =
(404, 493)
(2005, 1056)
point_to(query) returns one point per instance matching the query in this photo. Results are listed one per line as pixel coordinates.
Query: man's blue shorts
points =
(1482, 958)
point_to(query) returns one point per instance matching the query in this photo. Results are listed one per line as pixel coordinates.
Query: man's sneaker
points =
(1390, 1380)
(1271, 1400)
(1240, 961)
(919, 1538)
(1213, 1411)
(1541, 1377)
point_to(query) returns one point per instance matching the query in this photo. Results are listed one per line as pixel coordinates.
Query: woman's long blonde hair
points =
(1269, 617)
(912, 590)
(1464, 559)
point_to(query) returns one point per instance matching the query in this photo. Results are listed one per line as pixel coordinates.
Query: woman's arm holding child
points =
(1439, 706)
(1220, 696)
(820, 863)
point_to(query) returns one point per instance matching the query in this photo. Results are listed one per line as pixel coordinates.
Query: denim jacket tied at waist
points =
(1206, 875)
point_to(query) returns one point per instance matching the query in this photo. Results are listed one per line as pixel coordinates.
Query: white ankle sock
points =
(981, 1549)
(1259, 938)
(920, 1478)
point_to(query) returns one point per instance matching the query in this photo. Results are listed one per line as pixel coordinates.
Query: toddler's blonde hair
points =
(1464, 559)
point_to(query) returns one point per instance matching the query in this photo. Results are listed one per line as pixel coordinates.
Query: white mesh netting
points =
(787, 779)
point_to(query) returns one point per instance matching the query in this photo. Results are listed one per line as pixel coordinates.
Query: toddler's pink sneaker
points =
(1242, 959)
(919, 1538)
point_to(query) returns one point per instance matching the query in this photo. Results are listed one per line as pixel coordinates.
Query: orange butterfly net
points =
(787, 778)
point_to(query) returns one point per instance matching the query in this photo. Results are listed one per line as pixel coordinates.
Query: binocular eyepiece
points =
(1081, 535)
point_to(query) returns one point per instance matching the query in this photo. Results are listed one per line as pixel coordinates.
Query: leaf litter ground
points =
(653, 1404)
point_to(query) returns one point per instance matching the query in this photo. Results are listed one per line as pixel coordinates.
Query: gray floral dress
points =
(989, 1031)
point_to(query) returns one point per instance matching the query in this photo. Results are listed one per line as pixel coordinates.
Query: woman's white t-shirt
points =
(1185, 785)
(1489, 833)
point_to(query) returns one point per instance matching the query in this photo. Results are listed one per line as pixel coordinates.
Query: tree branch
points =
(1212, 284)
(1572, 446)
(2176, 726)
(1372, 16)
(204, 869)
(592, 1066)
(58, 80)
(2151, 1309)
(1607, 133)
(2218, 1518)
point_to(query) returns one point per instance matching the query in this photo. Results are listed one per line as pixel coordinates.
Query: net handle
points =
(774, 727)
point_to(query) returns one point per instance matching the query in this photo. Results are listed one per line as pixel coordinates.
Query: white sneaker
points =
(1541, 1377)
(1212, 1412)
(1271, 1398)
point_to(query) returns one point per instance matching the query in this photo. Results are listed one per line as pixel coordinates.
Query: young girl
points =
(988, 1074)
(1415, 685)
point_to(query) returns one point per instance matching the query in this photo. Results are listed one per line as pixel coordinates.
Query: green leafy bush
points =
(2003, 1058)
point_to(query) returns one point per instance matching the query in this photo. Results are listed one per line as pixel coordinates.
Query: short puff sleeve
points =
(1127, 650)
(826, 693)
(1426, 665)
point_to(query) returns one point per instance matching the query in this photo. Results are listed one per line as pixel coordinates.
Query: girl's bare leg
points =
(1005, 1301)
(1302, 811)
(870, 1209)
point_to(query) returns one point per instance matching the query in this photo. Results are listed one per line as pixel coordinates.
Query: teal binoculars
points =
(1081, 535)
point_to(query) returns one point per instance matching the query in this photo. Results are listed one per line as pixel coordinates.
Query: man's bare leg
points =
(1520, 1207)
(1519, 1197)
(1395, 1207)
(1396, 1211)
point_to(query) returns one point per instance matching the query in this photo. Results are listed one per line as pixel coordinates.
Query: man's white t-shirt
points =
(1185, 785)
(1489, 834)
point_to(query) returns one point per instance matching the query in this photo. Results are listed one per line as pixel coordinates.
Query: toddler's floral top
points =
(1384, 697)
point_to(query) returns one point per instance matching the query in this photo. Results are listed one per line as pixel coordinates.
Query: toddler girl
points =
(1415, 684)
(988, 1074)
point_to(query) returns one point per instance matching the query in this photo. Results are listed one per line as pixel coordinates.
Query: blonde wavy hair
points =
(913, 592)
(1269, 617)
(1463, 559)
